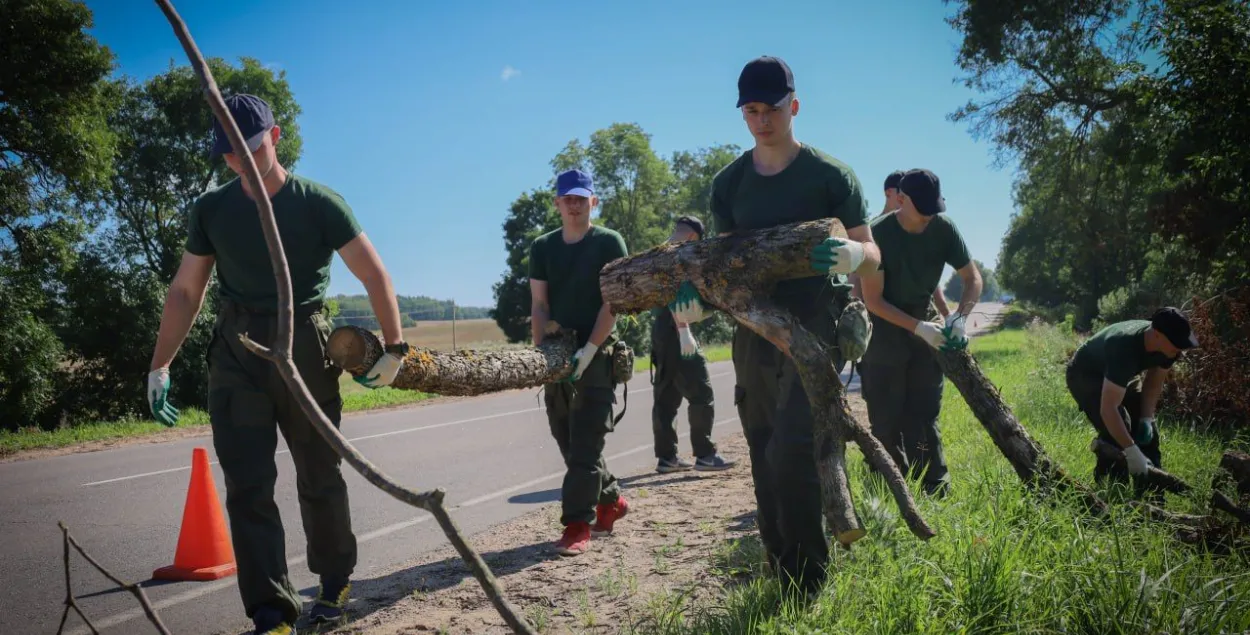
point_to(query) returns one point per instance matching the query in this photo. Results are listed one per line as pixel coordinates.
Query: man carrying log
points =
(246, 395)
(681, 372)
(1103, 379)
(893, 201)
(564, 285)
(902, 381)
(777, 182)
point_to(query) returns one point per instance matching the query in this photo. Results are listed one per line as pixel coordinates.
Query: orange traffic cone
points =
(204, 551)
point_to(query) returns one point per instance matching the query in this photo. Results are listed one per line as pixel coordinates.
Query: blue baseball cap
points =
(253, 117)
(574, 183)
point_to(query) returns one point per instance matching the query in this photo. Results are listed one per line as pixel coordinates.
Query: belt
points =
(302, 311)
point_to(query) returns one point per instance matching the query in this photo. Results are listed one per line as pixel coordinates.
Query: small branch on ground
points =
(71, 602)
(1155, 477)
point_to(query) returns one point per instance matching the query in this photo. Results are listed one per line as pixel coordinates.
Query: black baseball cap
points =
(693, 223)
(1173, 324)
(924, 190)
(766, 80)
(891, 182)
(253, 117)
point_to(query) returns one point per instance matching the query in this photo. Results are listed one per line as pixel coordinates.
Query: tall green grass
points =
(1003, 561)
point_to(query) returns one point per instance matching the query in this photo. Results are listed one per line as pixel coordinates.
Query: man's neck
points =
(273, 181)
(574, 233)
(771, 159)
(912, 222)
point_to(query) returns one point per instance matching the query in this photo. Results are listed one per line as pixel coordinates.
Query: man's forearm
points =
(971, 295)
(603, 325)
(1115, 425)
(176, 320)
(1152, 388)
(385, 308)
(539, 316)
(872, 259)
(940, 301)
(892, 314)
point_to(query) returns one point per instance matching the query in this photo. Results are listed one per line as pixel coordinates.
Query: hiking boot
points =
(270, 621)
(576, 539)
(675, 464)
(607, 515)
(331, 604)
(713, 463)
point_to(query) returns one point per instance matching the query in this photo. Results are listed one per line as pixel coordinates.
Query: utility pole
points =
(453, 325)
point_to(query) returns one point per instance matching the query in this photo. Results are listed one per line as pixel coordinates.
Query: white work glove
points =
(382, 373)
(1138, 464)
(956, 336)
(689, 347)
(688, 307)
(931, 333)
(582, 359)
(835, 255)
(158, 398)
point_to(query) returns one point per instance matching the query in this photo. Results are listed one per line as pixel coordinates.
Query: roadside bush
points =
(1211, 384)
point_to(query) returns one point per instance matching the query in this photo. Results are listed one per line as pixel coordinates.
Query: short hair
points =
(693, 223)
(892, 181)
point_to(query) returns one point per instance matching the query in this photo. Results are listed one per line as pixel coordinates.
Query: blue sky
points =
(431, 119)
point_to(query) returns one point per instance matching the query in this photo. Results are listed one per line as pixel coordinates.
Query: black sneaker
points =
(270, 621)
(713, 463)
(675, 464)
(331, 604)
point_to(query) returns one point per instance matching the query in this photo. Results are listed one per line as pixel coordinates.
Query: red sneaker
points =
(576, 539)
(607, 515)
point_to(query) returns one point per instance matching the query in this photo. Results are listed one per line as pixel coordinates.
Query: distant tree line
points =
(356, 310)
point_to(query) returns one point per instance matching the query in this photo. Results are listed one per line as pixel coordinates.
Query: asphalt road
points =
(493, 455)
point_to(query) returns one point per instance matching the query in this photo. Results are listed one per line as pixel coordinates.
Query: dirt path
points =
(687, 533)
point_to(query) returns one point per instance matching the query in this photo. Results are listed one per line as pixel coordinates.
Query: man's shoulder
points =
(827, 165)
(887, 222)
(543, 239)
(727, 173)
(305, 187)
(213, 196)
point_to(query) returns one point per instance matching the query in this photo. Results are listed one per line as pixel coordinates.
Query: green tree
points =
(954, 289)
(530, 215)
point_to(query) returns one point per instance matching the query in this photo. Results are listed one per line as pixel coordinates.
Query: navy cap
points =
(766, 80)
(1175, 326)
(891, 182)
(693, 223)
(253, 117)
(924, 190)
(574, 183)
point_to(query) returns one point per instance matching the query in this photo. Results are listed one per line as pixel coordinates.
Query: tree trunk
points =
(463, 373)
(737, 274)
(1155, 476)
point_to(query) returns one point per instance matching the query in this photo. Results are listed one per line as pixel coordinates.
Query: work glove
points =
(1145, 431)
(1138, 464)
(688, 307)
(158, 398)
(582, 359)
(689, 347)
(931, 333)
(834, 255)
(956, 338)
(383, 372)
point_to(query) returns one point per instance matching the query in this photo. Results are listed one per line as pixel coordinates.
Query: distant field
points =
(482, 333)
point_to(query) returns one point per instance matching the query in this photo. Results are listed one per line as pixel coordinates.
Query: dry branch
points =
(1237, 464)
(1154, 477)
(280, 354)
(463, 373)
(71, 602)
(719, 269)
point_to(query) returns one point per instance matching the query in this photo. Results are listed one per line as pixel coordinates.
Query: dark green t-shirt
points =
(913, 263)
(572, 274)
(1118, 353)
(814, 186)
(313, 222)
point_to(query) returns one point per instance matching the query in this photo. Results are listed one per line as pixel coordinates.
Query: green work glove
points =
(1145, 432)
(688, 307)
(835, 255)
(158, 398)
(956, 337)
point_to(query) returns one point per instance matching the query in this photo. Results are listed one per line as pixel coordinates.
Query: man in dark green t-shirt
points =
(246, 395)
(781, 181)
(564, 268)
(681, 373)
(1103, 378)
(902, 382)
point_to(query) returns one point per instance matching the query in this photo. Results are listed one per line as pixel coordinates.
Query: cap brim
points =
(578, 191)
(221, 145)
(772, 99)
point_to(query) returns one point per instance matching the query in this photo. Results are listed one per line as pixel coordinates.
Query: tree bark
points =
(737, 274)
(1237, 464)
(463, 373)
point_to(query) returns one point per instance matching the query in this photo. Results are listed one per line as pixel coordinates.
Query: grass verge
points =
(1003, 561)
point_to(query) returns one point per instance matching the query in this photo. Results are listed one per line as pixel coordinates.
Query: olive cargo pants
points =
(675, 379)
(580, 417)
(248, 404)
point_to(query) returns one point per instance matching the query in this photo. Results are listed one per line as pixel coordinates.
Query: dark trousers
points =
(678, 379)
(580, 417)
(902, 387)
(1086, 390)
(248, 405)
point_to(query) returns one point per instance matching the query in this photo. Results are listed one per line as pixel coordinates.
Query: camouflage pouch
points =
(622, 362)
(854, 331)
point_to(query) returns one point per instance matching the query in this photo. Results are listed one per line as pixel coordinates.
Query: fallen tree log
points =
(1237, 464)
(736, 274)
(463, 373)
(1155, 477)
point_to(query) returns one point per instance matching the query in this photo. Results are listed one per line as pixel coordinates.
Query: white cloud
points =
(508, 73)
